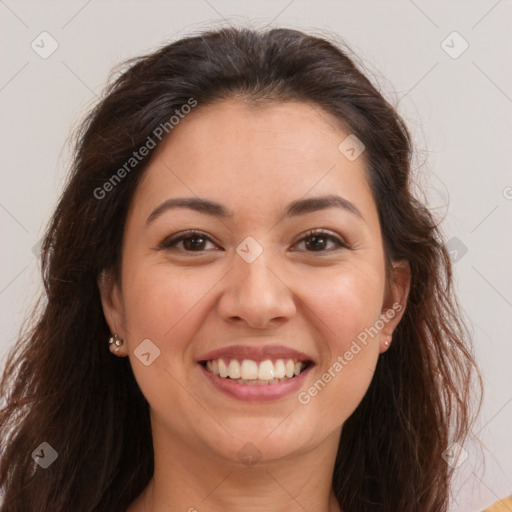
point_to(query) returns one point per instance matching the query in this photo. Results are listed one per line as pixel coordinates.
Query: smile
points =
(254, 373)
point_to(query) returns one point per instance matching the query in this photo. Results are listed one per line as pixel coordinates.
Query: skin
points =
(253, 160)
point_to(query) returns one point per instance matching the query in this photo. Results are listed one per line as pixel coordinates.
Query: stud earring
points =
(386, 343)
(115, 343)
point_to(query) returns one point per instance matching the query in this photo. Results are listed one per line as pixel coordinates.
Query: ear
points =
(395, 301)
(111, 300)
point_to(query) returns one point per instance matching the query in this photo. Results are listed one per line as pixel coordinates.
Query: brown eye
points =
(317, 241)
(192, 241)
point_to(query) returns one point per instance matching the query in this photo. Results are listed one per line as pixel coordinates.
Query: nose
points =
(256, 294)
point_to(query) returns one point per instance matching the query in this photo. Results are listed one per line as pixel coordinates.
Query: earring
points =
(116, 341)
(386, 343)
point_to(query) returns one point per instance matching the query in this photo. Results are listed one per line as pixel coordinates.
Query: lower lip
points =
(257, 393)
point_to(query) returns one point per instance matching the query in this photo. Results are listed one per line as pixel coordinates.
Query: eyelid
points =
(170, 241)
(339, 240)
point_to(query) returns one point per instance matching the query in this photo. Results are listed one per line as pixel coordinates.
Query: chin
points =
(260, 441)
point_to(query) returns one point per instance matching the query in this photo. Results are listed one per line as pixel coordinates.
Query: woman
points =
(239, 232)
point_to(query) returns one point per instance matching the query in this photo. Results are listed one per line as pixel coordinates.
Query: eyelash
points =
(170, 242)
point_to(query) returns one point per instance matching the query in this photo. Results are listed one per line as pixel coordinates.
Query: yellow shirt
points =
(504, 505)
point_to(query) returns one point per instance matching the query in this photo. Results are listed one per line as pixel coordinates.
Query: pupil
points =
(316, 245)
(197, 242)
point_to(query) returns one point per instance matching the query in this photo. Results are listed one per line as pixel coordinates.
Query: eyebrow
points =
(214, 209)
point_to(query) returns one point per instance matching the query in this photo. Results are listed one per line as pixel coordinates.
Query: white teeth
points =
(234, 369)
(266, 370)
(249, 370)
(255, 373)
(289, 368)
(279, 369)
(223, 369)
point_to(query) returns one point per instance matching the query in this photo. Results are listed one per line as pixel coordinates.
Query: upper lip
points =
(256, 353)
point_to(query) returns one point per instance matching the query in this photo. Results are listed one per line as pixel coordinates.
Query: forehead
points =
(255, 158)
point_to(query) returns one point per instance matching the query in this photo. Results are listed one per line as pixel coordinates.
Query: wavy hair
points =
(60, 384)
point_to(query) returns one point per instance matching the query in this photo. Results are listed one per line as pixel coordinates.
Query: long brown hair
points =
(60, 384)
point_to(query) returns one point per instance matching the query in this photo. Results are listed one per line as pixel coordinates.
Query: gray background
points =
(459, 110)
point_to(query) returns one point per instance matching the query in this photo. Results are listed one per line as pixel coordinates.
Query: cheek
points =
(166, 306)
(346, 301)
(160, 301)
(348, 308)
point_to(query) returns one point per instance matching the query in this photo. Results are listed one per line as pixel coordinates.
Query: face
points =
(270, 274)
